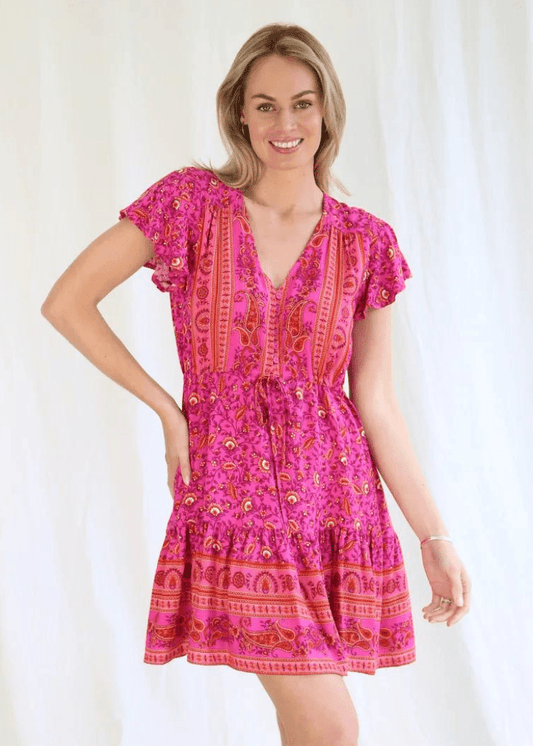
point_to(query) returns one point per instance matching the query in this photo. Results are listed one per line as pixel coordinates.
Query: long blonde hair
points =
(243, 169)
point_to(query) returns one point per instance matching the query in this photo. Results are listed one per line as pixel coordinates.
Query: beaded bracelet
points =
(429, 538)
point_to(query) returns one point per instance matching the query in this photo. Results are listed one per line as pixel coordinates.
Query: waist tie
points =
(272, 402)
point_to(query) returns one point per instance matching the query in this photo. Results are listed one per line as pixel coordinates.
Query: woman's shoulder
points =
(184, 191)
(370, 235)
(352, 219)
(202, 184)
(189, 177)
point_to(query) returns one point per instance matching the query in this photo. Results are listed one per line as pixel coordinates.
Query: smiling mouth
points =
(286, 150)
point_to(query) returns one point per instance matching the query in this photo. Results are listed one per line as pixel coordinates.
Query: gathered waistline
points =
(288, 382)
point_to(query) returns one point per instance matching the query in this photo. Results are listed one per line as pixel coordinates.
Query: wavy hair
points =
(244, 169)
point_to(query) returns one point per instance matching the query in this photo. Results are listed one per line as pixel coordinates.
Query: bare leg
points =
(313, 709)
(282, 730)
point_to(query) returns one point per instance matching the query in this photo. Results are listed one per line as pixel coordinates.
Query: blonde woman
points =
(279, 556)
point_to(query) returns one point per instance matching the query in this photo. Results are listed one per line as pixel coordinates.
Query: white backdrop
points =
(99, 102)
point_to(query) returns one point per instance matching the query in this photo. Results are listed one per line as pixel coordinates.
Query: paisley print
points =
(280, 555)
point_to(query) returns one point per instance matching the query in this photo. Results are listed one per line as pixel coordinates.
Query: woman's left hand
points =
(447, 577)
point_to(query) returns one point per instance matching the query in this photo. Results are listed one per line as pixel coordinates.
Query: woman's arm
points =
(371, 386)
(71, 308)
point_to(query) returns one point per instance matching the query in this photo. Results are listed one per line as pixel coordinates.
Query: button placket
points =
(273, 332)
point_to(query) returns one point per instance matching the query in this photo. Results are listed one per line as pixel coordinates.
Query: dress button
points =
(275, 359)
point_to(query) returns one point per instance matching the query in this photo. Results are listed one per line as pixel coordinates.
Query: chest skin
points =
(279, 244)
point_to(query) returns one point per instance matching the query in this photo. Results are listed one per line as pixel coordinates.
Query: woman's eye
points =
(260, 108)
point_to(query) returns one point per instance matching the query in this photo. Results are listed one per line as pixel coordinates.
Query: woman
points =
(279, 555)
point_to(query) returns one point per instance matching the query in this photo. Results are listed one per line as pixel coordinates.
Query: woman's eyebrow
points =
(271, 98)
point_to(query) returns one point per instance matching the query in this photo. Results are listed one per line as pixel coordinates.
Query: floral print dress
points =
(279, 556)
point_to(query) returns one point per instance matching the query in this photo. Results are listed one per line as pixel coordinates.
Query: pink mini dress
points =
(279, 556)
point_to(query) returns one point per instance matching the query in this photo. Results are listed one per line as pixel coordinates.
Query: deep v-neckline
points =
(316, 230)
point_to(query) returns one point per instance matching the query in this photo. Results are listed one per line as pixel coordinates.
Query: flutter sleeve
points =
(165, 213)
(385, 273)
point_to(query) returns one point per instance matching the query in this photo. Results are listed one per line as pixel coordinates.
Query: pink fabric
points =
(279, 556)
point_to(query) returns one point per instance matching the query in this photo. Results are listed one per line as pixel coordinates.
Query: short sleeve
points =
(165, 213)
(385, 273)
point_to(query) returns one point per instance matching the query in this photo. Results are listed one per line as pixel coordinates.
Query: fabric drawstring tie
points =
(270, 394)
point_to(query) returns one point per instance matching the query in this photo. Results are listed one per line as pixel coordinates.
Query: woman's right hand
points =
(176, 430)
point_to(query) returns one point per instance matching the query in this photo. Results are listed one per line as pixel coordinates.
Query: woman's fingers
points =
(449, 613)
(183, 467)
(462, 590)
(441, 614)
(176, 431)
(433, 604)
(437, 610)
(460, 611)
(183, 452)
(185, 464)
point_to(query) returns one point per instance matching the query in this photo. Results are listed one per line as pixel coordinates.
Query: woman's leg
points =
(282, 730)
(313, 709)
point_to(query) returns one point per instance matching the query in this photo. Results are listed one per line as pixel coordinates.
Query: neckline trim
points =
(319, 228)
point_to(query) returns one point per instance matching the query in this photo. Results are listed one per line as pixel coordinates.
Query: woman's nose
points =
(286, 121)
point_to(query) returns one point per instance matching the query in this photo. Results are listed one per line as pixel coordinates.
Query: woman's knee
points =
(313, 709)
(322, 733)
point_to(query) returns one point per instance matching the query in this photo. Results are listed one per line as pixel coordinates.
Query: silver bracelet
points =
(429, 538)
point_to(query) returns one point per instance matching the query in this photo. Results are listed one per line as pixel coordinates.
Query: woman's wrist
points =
(431, 528)
(435, 537)
(167, 409)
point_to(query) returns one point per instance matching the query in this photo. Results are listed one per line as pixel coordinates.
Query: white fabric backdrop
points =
(102, 101)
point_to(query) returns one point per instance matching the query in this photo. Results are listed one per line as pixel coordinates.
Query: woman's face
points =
(278, 106)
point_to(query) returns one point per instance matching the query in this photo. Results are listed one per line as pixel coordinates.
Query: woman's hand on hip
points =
(176, 431)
